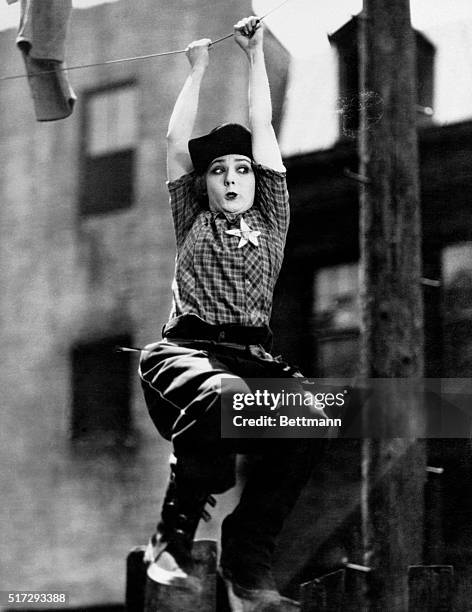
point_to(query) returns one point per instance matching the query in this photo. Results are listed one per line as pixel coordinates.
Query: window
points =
(345, 40)
(336, 313)
(101, 392)
(110, 136)
(457, 309)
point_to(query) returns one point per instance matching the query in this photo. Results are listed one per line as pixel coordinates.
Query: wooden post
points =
(391, 298)
(222, 601)
(135, 580)
(199, 596)
(390, 240)
(434, 537)
(430, 588)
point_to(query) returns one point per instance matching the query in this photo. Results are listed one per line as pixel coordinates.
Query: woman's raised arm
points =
(184, 114)
(248, 33)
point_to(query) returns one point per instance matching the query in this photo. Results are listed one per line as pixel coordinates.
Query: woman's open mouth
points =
(231, 195)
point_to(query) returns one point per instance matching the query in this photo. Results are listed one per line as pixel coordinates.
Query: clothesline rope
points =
(135, 58)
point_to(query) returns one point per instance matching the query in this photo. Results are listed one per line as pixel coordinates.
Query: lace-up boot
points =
(169, 551)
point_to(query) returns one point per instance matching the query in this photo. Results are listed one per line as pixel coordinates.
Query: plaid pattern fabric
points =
(215, 279)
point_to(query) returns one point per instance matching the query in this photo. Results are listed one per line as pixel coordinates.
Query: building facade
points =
(87, 255)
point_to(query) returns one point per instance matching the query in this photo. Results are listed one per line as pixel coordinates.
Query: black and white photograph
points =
(236, 305)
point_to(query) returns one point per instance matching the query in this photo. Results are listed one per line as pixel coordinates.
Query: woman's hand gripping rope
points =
(248, 33)
(197, 53)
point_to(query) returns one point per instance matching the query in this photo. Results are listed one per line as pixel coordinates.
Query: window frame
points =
(124, 192)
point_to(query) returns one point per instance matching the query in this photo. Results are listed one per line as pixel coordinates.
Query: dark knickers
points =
(182, 386)
(181, 383)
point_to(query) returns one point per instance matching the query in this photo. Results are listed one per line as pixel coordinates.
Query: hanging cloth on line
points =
(41, 39)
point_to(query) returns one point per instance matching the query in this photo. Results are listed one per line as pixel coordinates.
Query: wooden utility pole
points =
(391, 296)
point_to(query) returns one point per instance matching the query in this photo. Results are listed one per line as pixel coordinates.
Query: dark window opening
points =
(101, 392)
(457, 309)
(336, 315)
(110, 132)
(109, 184)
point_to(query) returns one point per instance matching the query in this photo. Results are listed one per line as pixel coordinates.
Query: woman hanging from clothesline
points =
(229, 203)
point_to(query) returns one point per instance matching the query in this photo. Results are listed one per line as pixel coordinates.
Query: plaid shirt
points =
(215, 279)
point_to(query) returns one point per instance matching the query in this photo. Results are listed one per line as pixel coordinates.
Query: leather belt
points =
(191, 327)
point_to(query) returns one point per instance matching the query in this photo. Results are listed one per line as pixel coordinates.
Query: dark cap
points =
(227, 139)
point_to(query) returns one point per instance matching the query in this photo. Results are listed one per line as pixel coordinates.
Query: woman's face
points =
(231, 184)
